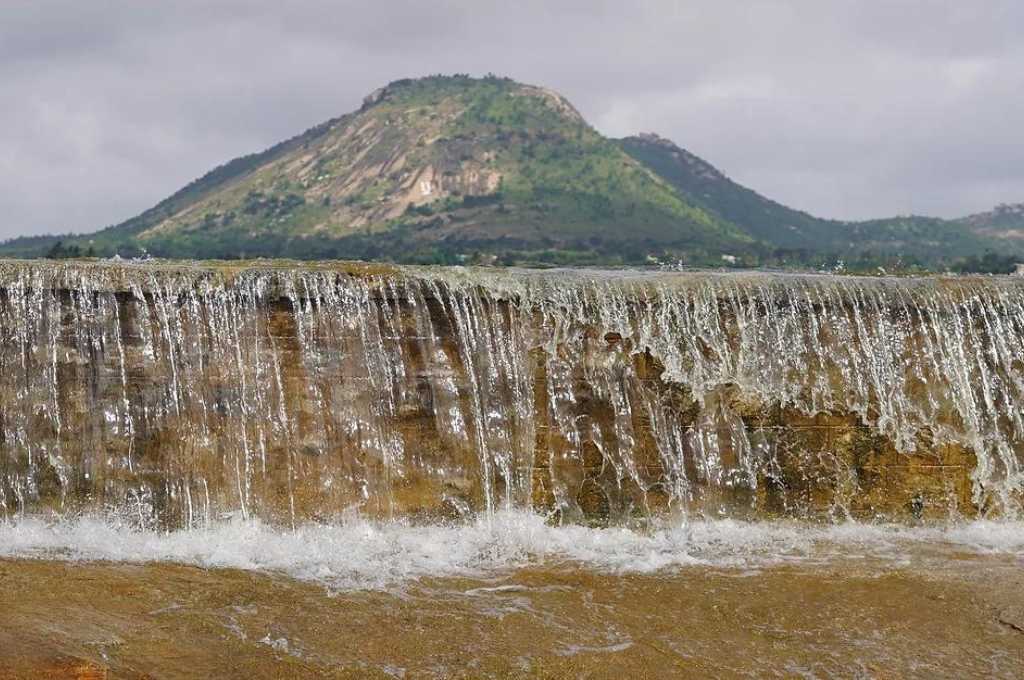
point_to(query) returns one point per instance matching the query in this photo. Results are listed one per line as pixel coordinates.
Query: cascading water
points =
(177, 395)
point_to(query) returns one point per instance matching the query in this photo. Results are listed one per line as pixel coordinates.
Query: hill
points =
(1005, 223)
(799, 236)
(427, 169)
(452, 168)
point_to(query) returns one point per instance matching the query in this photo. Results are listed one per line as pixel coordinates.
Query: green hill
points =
(427, 169)
(925, 240)
(453, 168)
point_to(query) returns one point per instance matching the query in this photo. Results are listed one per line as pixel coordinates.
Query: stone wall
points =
(176, 395)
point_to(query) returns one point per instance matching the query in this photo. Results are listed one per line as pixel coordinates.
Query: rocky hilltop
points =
(454, 168)
(1006, 222)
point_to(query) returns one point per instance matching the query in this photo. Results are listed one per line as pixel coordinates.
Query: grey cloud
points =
(845, 108)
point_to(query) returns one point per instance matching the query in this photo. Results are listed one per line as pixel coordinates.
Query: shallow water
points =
(512, 598)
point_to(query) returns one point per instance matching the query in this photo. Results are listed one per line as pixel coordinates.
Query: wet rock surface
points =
(175, 394)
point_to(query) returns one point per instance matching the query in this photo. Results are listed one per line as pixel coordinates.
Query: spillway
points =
(180, 394)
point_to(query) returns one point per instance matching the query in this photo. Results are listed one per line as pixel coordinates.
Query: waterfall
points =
(176, 395)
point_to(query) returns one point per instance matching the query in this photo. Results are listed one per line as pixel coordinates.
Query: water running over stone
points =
(176, 395)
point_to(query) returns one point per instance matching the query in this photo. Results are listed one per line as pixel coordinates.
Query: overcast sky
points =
(848, 109)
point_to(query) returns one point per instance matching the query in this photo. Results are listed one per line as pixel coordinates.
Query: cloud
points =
(845, 108)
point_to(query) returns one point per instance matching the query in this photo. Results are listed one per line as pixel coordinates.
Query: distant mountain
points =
(702, 183)
(925, 239)
(449, 169)
(437, 165)
(1005, 222)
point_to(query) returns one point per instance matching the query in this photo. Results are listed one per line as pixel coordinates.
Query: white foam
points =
(364, 554)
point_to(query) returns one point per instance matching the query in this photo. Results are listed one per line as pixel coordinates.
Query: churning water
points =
(364, 554)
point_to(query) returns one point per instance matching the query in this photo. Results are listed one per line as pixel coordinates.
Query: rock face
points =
(176, 394)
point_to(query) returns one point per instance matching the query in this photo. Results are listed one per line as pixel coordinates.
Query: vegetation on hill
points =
(793, 237)
(459, 169)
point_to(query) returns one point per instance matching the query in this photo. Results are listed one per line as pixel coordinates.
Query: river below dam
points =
(344, 470)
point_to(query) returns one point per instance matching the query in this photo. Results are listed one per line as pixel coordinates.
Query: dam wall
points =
(173, 394)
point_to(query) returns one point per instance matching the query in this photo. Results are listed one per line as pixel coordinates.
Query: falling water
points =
(178, 395)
